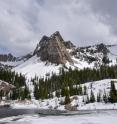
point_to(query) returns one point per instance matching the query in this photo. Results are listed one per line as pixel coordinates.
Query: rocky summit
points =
(53, 49)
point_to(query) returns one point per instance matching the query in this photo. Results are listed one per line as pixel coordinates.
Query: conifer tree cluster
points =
(68, 83)
(20, 91)
(113, 93)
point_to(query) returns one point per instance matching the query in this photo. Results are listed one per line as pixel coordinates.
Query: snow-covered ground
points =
(24, 105)
(13, 64)
(82, 64)
(109, 117)
(98, 106)
(35, 67)
(52, 104)
(100, 117)
(102, 86)
(97, 87)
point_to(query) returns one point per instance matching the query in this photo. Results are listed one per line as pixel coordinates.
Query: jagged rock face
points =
(24, 58)
(69, 45)
(5, 57)
(52, 49)
(96, 53)
(102, 48)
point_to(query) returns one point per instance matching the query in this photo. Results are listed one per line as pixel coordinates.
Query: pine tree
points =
(36, 91)
(15, 94)
(83, 99)
(67, 99)
(113, 93)
(87, 99)
(99, 97)
(80, 90)
(26, 93)
(63, 92)
(105, 98)
(85, 90)
(92, 97)
(1, 95)
(58, 94)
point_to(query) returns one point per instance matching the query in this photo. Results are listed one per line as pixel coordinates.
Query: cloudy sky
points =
(84, 22)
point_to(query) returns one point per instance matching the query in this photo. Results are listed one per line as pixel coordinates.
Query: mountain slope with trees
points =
(20, 90)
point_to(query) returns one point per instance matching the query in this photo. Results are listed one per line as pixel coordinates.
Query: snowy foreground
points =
(106, 115)
(97, 87)
(91, 106)
(109, 117)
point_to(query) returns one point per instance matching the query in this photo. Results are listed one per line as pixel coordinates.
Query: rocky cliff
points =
(7, 57)
(52, 49)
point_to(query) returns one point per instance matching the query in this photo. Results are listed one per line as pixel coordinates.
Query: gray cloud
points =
(107, 11)
(24, 22)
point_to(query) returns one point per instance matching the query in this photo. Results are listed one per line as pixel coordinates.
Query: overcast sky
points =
(84, 22)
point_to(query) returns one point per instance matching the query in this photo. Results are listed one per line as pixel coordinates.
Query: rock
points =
(7, 57)
(5, 87)
(52, 49)
(102, 48)
(69, 45)
(70, 107)
(25, 57)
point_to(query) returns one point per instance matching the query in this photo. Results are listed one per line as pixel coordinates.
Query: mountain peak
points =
(52, 49)
(57, 35)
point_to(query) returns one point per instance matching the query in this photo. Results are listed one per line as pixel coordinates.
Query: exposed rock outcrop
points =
(69, 45)
(7, 57)
(102, 48)
(52, 49)
(5, 87)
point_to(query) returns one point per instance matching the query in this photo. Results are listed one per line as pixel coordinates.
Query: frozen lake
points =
(108, 117)
(9, 112)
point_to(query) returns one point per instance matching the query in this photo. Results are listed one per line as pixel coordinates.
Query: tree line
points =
(68, 83)
(65, 84)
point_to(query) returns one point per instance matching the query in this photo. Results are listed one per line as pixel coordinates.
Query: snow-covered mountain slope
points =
(82, 57)
(97, 54)
(53, 52)
(12, 61)
(113, 53)
(87, 57)
(35, 67)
